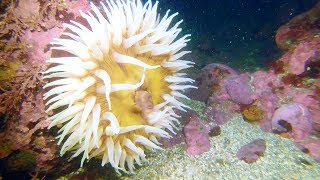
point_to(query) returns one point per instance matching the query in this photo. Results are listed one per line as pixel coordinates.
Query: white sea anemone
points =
(113, 91)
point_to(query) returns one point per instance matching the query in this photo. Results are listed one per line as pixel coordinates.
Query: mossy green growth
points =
(8, 70)
(288, 43)
(196, 106)
(4, 150)
(309, 81)
(39, 141)
(22, 161)
(316, 34)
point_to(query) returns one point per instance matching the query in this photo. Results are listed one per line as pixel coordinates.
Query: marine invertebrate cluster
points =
(252, 112)
(122, 56)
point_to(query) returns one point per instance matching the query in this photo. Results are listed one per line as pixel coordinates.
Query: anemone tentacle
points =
(123, 48)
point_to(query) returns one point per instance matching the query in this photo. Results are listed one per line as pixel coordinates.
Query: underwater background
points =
(255, 114)
(238, 33)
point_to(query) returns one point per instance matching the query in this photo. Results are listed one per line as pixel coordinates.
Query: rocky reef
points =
(221, 161)
(27, 149)
(283, 101)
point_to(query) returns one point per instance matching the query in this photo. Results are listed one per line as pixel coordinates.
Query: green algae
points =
(23, 160)
(196, 106)
(8, 70)
(4, 149)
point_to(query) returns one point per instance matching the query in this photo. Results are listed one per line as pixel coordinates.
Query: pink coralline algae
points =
(313, 148)
(294, 119)
(301, 28)
(177, 138)
(209, 79)
(288, 93)
(239, 89)
(197, 136)
(220, 108)
(216, 115)
(252, 151)
(309, 98)
(264, 83)
(302, 56)
(38, 43)
(27, 29)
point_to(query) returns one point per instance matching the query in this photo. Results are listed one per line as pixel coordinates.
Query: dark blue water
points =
(239, 33)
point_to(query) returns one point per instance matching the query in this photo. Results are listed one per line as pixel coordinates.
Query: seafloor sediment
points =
(281, 160)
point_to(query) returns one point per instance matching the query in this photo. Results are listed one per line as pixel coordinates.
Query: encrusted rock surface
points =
(281, 160)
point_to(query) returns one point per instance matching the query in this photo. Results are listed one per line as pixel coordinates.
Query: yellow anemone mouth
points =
(119, 83)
